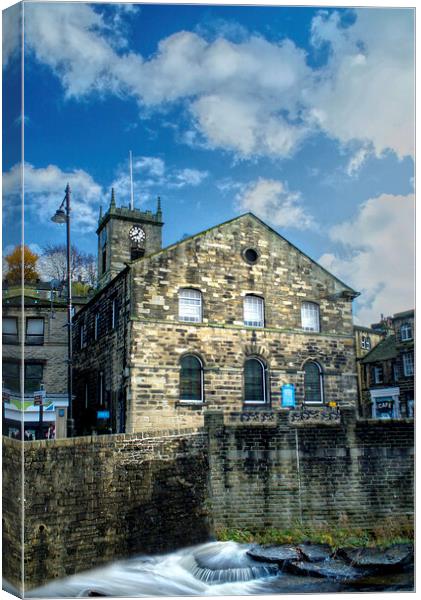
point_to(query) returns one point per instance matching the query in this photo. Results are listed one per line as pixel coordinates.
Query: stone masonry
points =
(92, 500)
(213, 262)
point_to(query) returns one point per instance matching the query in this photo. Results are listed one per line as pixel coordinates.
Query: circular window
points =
(251, 255)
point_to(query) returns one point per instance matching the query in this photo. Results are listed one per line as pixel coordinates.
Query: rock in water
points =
(225, 562)
(395, 557)
(331, 569)
(315, 552)
(274, 554)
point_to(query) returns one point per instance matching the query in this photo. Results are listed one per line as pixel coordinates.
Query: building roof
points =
(351, 291)
(405, 313)
(366, 329)
(385, 350)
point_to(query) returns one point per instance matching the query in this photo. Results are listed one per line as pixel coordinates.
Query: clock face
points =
(137, 234)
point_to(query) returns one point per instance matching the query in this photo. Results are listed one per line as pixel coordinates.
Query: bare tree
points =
(53, 263)
(88, 270)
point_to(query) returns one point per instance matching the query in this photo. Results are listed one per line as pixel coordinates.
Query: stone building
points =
(388, 370)
(40, 336)
(221, 320)
(366, 338)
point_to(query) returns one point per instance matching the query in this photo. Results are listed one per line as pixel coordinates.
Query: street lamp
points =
(62, 215)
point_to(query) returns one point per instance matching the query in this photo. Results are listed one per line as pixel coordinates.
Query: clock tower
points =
(125, 234)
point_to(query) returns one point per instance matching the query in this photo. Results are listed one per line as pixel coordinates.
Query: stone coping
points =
(104, 440)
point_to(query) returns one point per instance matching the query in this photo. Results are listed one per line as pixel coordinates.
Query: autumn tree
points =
(18, 258)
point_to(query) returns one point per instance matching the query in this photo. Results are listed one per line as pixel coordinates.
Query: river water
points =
(212, 569)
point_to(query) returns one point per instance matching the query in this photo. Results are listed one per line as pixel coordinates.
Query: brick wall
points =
(12, 457)
(91, 500)
(358, 471)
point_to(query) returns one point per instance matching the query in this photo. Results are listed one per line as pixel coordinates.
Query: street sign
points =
(103, 414)
(288, 395)
(39, 398)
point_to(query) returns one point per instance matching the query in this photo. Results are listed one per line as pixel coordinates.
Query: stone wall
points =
(100, 362)
(52, 354)
(12, 521)
(91, 500)
(156, 366)
(269, 474)
(213, 263)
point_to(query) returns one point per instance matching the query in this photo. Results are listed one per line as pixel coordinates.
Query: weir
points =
(92, 500)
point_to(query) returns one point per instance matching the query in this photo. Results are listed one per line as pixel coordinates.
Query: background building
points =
(388, 370)
(366, 338)
(38, 334)
(221, 320)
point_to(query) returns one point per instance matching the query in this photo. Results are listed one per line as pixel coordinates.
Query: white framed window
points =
(254, 311)
(408, 363)
(191, 379)
(313, 383)
(113, 313)
(310, 316)
(255, 389)
(190, 305)
(406, 332)
(365, 342)
(378, 374)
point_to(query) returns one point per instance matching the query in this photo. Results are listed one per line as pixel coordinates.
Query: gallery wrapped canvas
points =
(208, 299)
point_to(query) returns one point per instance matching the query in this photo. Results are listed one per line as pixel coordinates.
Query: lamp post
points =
(63, 216)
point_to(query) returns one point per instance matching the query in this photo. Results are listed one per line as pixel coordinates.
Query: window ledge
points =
(191, 403)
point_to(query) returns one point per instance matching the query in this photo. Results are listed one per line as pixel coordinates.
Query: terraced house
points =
(388, 370)
(221, 320)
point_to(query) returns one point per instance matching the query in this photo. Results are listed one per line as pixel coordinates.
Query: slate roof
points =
(406, 313)
(385, 350)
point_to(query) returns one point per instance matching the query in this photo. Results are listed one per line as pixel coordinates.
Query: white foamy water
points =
(217, 568)
(212, 569)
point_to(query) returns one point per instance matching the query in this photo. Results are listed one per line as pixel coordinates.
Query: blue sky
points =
(304, 116)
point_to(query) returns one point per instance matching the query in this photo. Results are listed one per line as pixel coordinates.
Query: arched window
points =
(310, 316)
(191, 379)
(254, 311)
(406, 332)
(255, 382)
(313, 382)
(190, 305)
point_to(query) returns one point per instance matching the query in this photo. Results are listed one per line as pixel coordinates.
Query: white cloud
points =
(366, 91)
(11, 33)
(189, 177)
(44, 191)
(151, 177)
(251, 97)
(356, 161)
(271, 200)
(377, 256)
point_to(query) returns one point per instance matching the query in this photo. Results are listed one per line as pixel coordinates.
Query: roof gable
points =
(385, 350)
(352, 293)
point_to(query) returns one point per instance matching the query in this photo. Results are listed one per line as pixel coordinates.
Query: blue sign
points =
(288, 396)
(103, 414)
